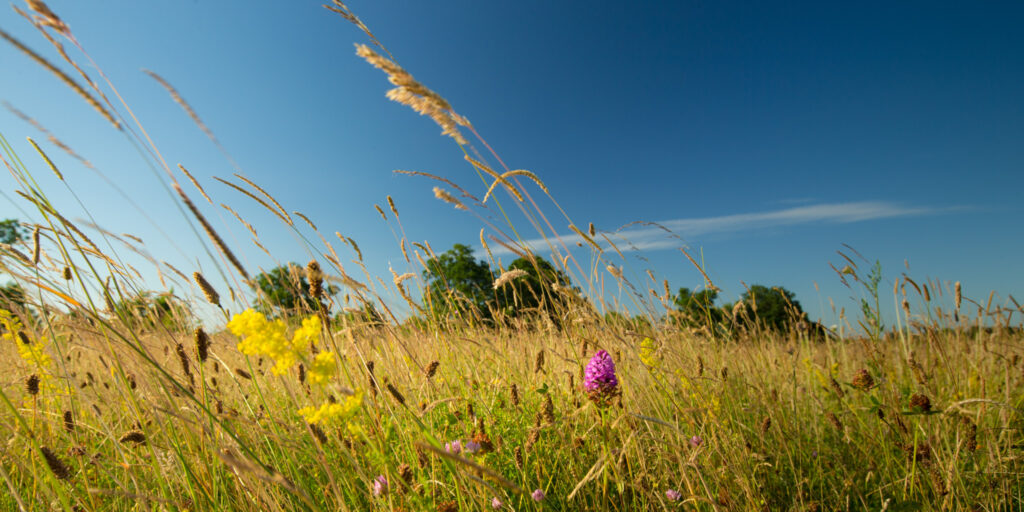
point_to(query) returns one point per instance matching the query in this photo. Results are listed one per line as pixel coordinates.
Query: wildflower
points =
(333, 411)
(454, 447)
(496, 503)
(648, 354)
(262, 337)
(696, 441)
(538, 495)
(380, 485)
(673, 495)
(862, 380)
(599, 378)
(472, 446)
(323, 368)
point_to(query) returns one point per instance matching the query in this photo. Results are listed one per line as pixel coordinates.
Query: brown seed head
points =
(67, 274)
(836, 387)
(395, 393)
(538, 364)
(549, 409)
(243, 374)
(183, 358)
(211, 295)
(514, 392)
(862, 380)
(133, 436)
(32, 384)
(69, 422)
(834, 421)
(405, 473)
(766, 423)
(202, 345)
(57, 466)
(432, 369)
(448, 506)
(316, 279)
(919, 402)
(957, 295)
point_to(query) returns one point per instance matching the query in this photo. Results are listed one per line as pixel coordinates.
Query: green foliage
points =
(285, 289)
(11, 231)
(148, 310)
(12, 294)
(697, 309)
(533, 292)
(775, 307)
(458, 284)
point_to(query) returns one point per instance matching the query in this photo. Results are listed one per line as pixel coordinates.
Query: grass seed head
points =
(57, 466)
(862, 380)
(32, 384)
(202, 344)
(211, 295)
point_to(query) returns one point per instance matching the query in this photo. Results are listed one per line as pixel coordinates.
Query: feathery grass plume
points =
(243, 374)
(585, 237)
(380, 211)
(447, 197)
(538, 363)
(531, 176)
(49, 136)
(133, 436)
(57, 466)
(176, 96)
(836, 387)
(499, 179)
(507, 277)
(615, 271)
(395, 393)
(211, 295)
(432, 369)
(64, 77)
(46, 158)
(195, 183)
(724, 373)
(927, 296)
(16, 253)
(593, 232)
(250, 195)
(514, 394)
(957, 295)
(372, 378)
(69, 422)
(202, 344)
(317, 432)
(284, 213)
(316, 279)
(32, 384)
(66, 274)
(391, 204)
(47, 17)
(303, 217)
(766, 424)
(862, 380)
(211, 233)
(414, 95)
(972, 434)
(35, 246)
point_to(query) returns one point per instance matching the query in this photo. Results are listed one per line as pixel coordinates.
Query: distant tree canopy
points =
(459, 284)
(11, 231)
(533, 290)
(775, 307)
(697, 309)
(285, 288)
(149, 309)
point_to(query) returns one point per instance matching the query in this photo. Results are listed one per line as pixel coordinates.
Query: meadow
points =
(118, 397)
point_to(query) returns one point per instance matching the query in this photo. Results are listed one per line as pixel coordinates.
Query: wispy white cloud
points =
(669, 234)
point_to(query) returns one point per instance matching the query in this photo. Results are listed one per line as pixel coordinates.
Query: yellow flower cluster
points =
(648, 354)
(33, 353)
(323, 368)
(333, 412)
(262, 337)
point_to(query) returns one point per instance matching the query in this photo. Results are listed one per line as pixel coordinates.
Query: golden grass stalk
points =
(64, 77)
(35, 246)
(49, 136)
(57, 466)
(303, 217)
(447, 197)
(195, 183)
(381, 212)
(211, 294)
(507, 277)
(46, 158)
(214, 237)
(252, 196)
(184, 105)
(585, 237)
(957, 295)
(267, 195)
(400, 279)
(523, 172)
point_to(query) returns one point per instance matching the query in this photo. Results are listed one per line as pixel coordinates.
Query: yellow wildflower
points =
(332, 412)
(648, 355)
(324, 366)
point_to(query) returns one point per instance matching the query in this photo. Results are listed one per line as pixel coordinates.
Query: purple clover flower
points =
(538, 495)
(599, 375)
(454, 447)
(380, 485)
(472, 446)
(496, 503)
(696, 441)
(673, 495)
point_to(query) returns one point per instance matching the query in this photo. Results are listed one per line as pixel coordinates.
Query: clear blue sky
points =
(766, 135)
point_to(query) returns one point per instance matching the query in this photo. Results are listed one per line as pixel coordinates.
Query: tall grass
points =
(115, 400)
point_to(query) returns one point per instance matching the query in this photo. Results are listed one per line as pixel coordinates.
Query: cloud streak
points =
(669, 234)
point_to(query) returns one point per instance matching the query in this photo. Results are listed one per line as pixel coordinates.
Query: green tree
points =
(149, 309)
(775, 307)
(285, 288)
(697, 308)
(457, 283)
(11, 231)
(534, 291)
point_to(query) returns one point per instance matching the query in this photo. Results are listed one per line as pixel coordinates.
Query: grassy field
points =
(106, 407)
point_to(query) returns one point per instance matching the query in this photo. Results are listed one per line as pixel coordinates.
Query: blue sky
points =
(765, 135)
